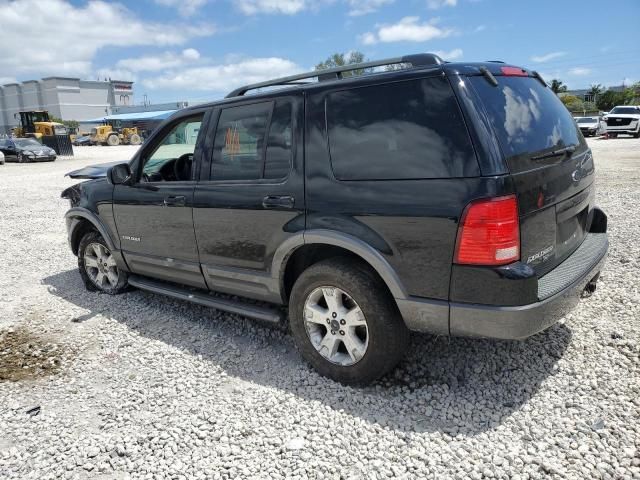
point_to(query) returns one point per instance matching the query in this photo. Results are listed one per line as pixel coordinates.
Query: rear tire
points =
(97, 266)
(135, 139)
(345, 323)
(613, 135)
(113, 140)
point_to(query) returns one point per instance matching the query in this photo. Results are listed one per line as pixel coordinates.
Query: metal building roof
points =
(157, 115)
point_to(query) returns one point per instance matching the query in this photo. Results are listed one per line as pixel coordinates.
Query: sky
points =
(198, 50)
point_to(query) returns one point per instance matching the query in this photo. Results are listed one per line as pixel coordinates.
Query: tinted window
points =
(401, 130)
(528, 118)
(238, 147)
(278, 159)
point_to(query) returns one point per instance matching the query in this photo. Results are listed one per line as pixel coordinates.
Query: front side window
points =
(396, 131)
(253, 142)
(172, 158)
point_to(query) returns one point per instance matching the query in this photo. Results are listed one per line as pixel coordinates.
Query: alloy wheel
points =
(100, 266)
(336, 325)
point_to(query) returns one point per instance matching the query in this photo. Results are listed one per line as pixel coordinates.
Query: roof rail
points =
(417, 60)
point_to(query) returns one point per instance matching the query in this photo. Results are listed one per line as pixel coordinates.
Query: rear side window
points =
(253, 142)
(528, 119)
(238, 147)
(402, 130)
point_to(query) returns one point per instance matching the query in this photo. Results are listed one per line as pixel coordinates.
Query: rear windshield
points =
(528, 119)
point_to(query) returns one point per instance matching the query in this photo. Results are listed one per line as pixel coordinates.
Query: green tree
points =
(340, 60)
(67, 123)
(632, 94)
(610, 99)
(557, 86)
(596, 90)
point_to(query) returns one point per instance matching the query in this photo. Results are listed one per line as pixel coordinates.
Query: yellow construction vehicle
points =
(36, 124)
(110, 134)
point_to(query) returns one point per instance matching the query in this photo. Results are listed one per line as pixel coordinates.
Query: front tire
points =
(345, 323)
(113, 140)
(22, 158)
(98, 267)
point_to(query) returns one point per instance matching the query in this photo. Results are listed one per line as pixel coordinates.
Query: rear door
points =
(550, 163)
(251, 194)
(9, 149)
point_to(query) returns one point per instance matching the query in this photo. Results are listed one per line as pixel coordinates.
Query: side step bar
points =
(258, 312)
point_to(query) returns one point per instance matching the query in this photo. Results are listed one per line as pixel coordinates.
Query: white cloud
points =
(579, 71)
(547, 57)
(287, 7)
(186, 8)
(71, 36)
(479, 28)
(225, 77)
(408, 29)
(435, 4)
(451, 55)
(5, 80)
(362, 7)
(153, 63)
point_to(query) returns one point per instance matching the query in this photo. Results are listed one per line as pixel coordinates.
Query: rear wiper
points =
(554, 153)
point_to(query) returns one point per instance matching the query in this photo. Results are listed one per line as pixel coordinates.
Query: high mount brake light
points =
(489, 232)
(513, 72)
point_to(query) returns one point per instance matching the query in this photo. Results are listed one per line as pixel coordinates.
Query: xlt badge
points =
(131, 239)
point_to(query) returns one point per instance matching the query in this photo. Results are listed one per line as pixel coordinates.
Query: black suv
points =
(449, 198)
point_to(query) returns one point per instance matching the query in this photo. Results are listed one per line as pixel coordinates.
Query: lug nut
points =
(334, 314)
(341, 332)
(328, 321)
(342, 322)
(333, 332)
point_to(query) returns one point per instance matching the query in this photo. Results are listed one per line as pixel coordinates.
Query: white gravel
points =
(148, 387)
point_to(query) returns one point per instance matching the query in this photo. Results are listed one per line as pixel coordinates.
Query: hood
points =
(35, 148)
(93, 171)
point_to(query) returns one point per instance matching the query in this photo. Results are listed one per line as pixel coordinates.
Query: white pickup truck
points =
(623, 119)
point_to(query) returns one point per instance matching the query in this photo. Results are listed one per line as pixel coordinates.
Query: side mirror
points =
(119, 174)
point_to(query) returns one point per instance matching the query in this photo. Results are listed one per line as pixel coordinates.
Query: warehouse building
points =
(66, 98)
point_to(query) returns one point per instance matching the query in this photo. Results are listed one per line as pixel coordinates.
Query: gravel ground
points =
(138, 386)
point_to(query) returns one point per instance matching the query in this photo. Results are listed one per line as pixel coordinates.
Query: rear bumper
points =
(559, 292)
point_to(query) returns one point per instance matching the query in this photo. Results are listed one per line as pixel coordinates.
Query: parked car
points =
(589, 126)
(623, 119)
(1, 158)
(449, 198)
(82, 140)
(25, 150)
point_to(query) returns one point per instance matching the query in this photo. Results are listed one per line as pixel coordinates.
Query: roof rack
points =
(417, 60)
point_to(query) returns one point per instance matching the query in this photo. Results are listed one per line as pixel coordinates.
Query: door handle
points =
(174, 201)
(278, 201)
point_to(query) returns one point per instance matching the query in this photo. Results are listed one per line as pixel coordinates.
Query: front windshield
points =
(626, 110)
(587, 120)
(26, 142)
(60, 129)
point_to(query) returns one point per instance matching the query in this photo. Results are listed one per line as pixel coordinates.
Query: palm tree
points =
(557, 86)
(595, 91)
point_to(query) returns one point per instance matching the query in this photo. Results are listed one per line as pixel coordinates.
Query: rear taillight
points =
(489, 232)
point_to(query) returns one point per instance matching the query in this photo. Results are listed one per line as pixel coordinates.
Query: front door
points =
(154, 215)
(252, 196)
